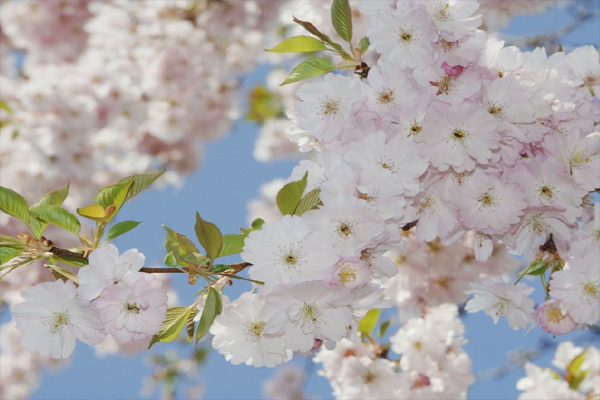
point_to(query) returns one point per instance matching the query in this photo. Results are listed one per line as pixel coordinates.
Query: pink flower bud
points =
(452, 71)
(552, 320)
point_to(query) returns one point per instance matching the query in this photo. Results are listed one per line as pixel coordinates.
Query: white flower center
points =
(347, 273)
(502, 306)
(497, 110)
(590, 289)
(443, 13)
(131, 308)
(488, 200)
(57, 321)
(459, 136)
(330, 107)
(290, 256)
(254, 330)
(536, 223)
(309, 317)
(386, 96)
(344, 229)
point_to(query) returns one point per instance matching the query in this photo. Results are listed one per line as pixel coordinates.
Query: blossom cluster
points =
(581, 379)
(432, 365)
(477, 145)
(100, 90)
(272, 142)
(113, 297)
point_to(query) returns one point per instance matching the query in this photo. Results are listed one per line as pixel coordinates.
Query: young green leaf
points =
(209, 236)
(367, 324)
(170, 260)
(9, 241)
(94, 212)
(55, 198)
(575, 375)
(141, 182)
(195, 258)
(312, 29)
(537, 267)
(289, 195)
(308, 202)
(341, 18)
(232, 244)
(218, 268)
(363, 45)
(257, 223)
(212, 308)
(308, 69)
(12, 203)
(5, 107)
(36, 226)
(58, 216)
(176, 320)
(8, 253)
(190, 324)
(72, 260)
(178, 244)
(120, 228)
(114, 195)
(63, 274)
(384, 327)
(299, 44)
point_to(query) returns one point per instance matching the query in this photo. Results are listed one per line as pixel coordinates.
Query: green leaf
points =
(367, 324)
(263, 105)
(176, 320)
(8, 253)
(218, 268)
(289, 195)
(341, 18)
(55, 198)
(308, 69)
(120, 228)
(257, 223)
(12, 242)
(5, 107)
(94, 212)
(232, 244)
(209, 236)
(170, 260)
(312, 29)
(308, 202)
(299, 44)
(36, 226)
(190, 324)
(574, 373)
(195, 258)
(12, 203)
(63, 274)
(75, 261)
(537, 267)
(212, 308)
(364, 44)
(384, 327)
(58, 216)
(141, 182)
(113, 194)
(178, 244)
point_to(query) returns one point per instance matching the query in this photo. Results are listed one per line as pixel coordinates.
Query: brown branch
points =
(64, 253)
(162, 270)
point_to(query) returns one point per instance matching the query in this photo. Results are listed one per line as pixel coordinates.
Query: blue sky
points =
(229, 177)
